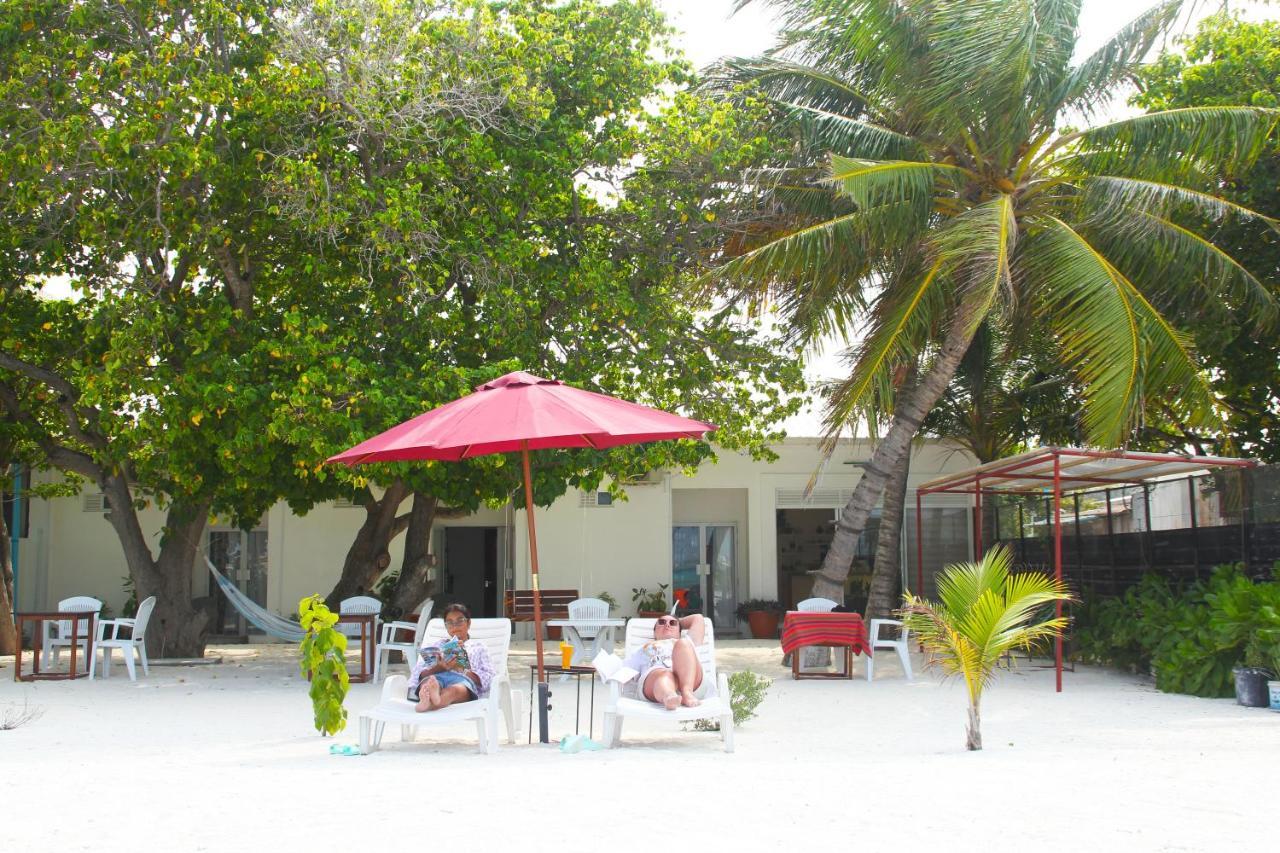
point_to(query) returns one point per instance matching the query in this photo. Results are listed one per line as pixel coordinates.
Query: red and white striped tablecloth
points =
(824, 629)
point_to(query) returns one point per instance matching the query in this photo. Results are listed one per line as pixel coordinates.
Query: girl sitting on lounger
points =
(453, 670)
(668, 665)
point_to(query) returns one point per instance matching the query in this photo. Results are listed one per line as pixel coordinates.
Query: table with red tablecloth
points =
(838, 630)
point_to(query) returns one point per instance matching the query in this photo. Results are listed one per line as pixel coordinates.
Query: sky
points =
(707, 30)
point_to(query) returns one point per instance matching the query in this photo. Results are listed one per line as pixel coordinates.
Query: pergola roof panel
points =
(1079, 468)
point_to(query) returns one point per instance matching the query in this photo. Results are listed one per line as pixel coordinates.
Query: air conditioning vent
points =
(817, 499)
(649, 478)
(595, 500)
(96, 502)
(346, 503)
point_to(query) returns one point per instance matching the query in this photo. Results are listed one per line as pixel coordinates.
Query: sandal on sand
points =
(344, 749)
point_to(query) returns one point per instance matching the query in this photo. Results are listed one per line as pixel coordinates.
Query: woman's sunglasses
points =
(668, 622)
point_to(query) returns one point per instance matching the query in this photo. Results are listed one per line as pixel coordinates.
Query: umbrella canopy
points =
(523, 412)
(520, 411)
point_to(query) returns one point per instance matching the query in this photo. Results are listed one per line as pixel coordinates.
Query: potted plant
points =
(650, 605)
(763, 615)
(1251, 678)
(609, 600)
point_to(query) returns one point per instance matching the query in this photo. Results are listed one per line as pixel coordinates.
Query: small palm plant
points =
(983, 612)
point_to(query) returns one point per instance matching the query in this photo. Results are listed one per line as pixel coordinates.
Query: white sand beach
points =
(225, 758)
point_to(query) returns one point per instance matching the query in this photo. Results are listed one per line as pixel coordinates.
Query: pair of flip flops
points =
(344, 749)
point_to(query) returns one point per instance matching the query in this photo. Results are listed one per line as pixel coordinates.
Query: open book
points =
(450, 649)
(611, 668)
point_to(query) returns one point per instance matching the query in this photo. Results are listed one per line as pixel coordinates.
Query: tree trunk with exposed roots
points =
(369, 555)
(179, 625)
(973, 732)
(883, 597)
(8, 636)
(909, 413)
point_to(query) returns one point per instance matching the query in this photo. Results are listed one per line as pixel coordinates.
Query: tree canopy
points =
(951, 191)
(291, 225)
(1230, 61)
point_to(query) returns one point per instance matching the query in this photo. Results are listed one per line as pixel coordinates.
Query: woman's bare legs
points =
(660, 686)
(674, 687)
(432, 698)
(688, 671)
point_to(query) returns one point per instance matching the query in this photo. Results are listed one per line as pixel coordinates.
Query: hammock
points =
(276, 626)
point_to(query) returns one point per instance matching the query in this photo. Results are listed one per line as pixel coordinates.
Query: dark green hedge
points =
(1189, 636)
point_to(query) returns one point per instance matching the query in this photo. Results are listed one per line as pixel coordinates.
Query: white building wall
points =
(613, 549)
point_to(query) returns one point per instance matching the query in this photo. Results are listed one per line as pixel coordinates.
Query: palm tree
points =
(983, 612)
(954, 192)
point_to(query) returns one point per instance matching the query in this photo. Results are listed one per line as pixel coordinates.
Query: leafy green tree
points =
(1229, 61)
(459, 233)
(128, 174)
(982, 613)
(954, 193)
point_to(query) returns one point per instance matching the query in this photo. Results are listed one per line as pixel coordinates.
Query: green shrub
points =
(323, 661)
(1190, 637)
(746, 692)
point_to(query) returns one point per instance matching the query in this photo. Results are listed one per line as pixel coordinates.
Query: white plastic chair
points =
(395, 708)
(878, 642)
(820, 656)
(57, 635)
(407, 642)
(134, 644)
(359, 605)
(588, 639)
(628, 702)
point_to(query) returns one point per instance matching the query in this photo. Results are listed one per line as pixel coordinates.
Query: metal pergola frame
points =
(1058, 470)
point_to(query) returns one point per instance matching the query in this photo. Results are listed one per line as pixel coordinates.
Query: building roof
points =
(1079, 468)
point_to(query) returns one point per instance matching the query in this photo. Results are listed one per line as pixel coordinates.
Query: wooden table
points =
(38, 620)
(843, 631)
(368, 627)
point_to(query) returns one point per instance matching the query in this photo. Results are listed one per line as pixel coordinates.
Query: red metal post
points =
(1057, 559)
(919, 550)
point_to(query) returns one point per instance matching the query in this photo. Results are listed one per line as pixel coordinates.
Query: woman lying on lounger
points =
(669, 667)
(452, 670)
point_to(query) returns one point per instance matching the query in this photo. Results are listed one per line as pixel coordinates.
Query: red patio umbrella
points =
(522, 412)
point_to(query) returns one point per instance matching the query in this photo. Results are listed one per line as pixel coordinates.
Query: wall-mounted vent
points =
(96, 502)
(817, 499)
(347, 503)
(649, 478)
(595, 500)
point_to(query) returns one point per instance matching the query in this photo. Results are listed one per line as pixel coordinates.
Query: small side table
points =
(367, 623)
(37, 620)
(577, 672)
(843, 631)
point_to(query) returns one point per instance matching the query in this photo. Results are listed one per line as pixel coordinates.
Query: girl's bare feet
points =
(671, 701)
(689, 700)
(428, 694)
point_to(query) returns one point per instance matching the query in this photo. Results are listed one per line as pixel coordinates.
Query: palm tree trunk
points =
(973, 734)
(908, 414)
(883, 595)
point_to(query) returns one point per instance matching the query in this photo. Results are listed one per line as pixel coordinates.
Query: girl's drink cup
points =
(566, 655)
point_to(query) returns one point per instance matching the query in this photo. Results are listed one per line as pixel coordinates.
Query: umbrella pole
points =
(543, 691)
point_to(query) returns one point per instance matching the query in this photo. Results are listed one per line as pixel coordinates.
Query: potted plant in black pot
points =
(763, 615)
(1251, 678)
